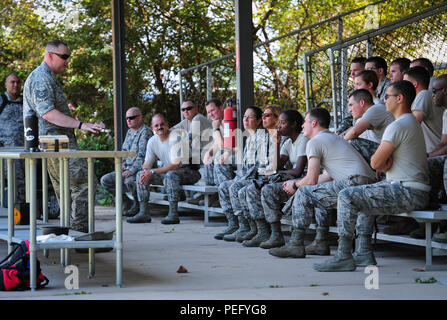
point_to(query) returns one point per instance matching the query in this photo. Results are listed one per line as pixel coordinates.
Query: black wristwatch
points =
(294, 186)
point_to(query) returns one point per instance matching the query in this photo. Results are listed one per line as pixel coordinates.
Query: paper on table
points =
(53, 238)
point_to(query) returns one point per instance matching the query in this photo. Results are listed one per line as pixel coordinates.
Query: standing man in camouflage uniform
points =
(136, 140)
(402, 156)
(343, 166)
(173, 173)
(11, 130)
(43, 96)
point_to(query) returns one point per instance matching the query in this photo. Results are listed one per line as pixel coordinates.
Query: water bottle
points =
(31, 127)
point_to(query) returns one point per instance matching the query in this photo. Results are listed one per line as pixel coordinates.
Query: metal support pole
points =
(244, 57)
(32, 223)
(119, 222)
(334, 89)
(2, 183)
(343, 82)
(66, 188)
(180, 83)
(44, 190)
(13, 185)
(119, 72)
(369, 49)
(209, 83)
(91, 215)
(11, 176)
(306, 83)
(27, 188)
(45, 197)
(61, 203)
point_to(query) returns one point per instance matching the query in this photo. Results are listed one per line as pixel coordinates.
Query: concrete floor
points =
(219, 270)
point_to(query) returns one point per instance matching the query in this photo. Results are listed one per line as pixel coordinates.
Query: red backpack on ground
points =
(15, 273)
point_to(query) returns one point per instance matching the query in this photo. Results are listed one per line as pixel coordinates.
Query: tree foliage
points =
(166, 36)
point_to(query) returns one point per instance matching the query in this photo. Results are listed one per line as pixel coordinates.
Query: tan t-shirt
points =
(409, 157)
(337, 156)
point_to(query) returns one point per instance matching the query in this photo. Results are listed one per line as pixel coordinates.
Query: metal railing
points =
(338, 68)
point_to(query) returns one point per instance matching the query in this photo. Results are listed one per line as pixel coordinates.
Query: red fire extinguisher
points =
(230, 124)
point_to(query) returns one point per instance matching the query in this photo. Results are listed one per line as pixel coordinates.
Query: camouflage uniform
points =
(256, 159)
(365, 147)
(376, 199)
(324, 197)
(445, 175)
(228, 194)
(272, 198)
(172, 180)
(11, 135)
(42, 92)
(436, 170)
(221, 172)
(134, 141)
(345, 124)
(265, 201)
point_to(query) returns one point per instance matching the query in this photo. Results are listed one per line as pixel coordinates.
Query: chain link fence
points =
(421, 34)
(309, 67)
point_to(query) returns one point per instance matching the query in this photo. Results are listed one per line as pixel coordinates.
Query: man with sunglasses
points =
(194, 126)
(44, 97)
(136, 140)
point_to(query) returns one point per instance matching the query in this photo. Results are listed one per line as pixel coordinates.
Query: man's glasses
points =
(435, 90)
(62, 56)
(132, 117)
(187, 108)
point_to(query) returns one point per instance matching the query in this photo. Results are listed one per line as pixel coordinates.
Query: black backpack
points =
(5, 101)
(15, 273)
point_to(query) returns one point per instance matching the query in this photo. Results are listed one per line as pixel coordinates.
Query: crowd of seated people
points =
(385, 158)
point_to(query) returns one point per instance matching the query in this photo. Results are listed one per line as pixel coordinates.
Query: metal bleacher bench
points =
(157, 197)
(424, 216)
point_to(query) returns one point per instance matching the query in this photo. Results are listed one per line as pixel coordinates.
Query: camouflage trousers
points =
(222, 172)
(365, 147)
(445, 176)
(376, 199)
(438, 175)
(324, 196)
(345, 124)
(108, 182)
(78, 176)
(208, 174)
(270, 192)
(20, 179)
(272, 199)
(171, 180)
(232, 196)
